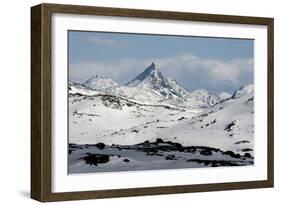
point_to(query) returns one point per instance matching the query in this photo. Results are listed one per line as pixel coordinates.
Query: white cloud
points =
(191, 71)
(101, 41)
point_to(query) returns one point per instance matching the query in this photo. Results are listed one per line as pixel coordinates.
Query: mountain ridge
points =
(151, 86)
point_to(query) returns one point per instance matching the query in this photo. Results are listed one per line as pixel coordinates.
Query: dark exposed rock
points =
(170, 157)
(129, 104)
(248, 155)
(203, 115)
(242, 142)
(232, 154)
(190, 150)
(95, 159)
(75, 146)
(148, 150)
(159, 140)
(229, 126)
(135, 131)
(100, 145)
(206, 152)
(214, 121)
(250, 99)
(126, 160)
(247, 150)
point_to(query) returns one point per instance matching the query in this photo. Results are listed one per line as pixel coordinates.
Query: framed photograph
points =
(130, 102)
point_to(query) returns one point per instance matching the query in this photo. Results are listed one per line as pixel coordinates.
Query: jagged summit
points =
(152, 78)
(152, 67)
(151, 70)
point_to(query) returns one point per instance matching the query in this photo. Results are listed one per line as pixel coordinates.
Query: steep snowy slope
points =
(100, 83)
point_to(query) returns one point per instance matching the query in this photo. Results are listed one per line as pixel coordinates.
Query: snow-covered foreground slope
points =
(113, 120)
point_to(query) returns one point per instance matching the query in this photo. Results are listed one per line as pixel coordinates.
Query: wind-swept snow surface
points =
(152, 120)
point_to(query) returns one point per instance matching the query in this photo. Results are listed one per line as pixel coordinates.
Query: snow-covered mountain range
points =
(151, 86)
(153, 106)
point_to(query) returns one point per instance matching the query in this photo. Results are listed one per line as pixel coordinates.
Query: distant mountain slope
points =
(205, 97)
(224, 95)
(243, 90)
(100, 83)
(76, 88)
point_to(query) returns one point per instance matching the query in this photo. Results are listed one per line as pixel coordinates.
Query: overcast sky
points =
(215, 64)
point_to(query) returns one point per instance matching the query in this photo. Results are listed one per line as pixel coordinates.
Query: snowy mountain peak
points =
(152, 67)
(152, 78)
(151, 71)
(100, 82)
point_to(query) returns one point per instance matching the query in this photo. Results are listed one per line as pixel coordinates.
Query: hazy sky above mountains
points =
(215, 64)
